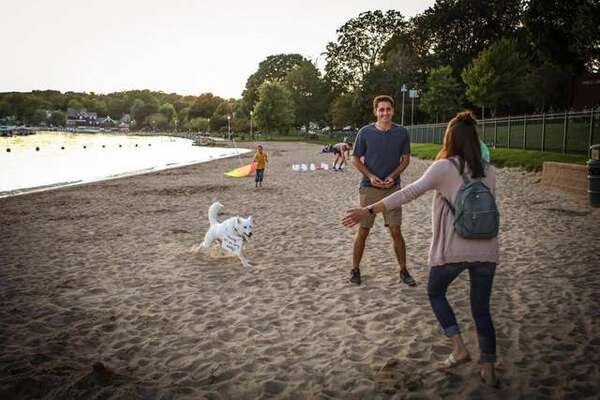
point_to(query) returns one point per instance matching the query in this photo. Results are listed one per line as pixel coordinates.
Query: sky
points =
(184, 46)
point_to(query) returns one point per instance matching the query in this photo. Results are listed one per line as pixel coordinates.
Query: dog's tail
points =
(213, 211)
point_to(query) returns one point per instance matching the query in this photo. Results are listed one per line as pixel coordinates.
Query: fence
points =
(570, 132)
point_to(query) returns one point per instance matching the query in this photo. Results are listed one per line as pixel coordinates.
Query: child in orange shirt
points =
(260, 158)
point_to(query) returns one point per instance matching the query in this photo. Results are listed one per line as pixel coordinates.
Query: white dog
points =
(234, 231)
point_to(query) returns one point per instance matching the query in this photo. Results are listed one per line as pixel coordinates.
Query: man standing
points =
(385, 151)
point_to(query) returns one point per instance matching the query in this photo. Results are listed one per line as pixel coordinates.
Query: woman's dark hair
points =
(461, 139)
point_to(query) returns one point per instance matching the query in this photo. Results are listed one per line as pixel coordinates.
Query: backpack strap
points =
(460, 166)
(449, 204)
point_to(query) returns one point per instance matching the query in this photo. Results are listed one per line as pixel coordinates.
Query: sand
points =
(103, 296)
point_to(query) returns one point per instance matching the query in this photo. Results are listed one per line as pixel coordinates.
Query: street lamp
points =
(229, 127)
(413, 94)
(403, 89)
(251, 134)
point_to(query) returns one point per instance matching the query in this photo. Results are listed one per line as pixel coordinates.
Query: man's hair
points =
(461, 139)
(380, 98)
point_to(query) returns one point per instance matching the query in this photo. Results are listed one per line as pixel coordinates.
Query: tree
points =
(140, 110)
(98, 106)
(273, 68)
(495, 78)
(38, 117)
(547, 86)
(57, 118)
(205, 105)
(218, 120)
(358, 48)
(455, 31)
(5, 108)
(116, 106)
(75, 104)
(565, 33)
(443, 96)
(157, 122)
(408, 56)
(168, 111)
(308, 93)
(343, 110)
(136, 112)
(275, 108)
(183, 117)
(198, 124)
(380, 80)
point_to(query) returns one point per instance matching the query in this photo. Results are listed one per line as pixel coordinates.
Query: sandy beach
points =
(103, 295)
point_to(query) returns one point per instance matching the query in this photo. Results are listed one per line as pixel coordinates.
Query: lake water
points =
(65, 159)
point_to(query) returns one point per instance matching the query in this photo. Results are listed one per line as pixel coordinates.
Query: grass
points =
(530, 160)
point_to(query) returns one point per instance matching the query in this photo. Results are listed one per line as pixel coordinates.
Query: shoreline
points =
(44, 188)
(26, 171)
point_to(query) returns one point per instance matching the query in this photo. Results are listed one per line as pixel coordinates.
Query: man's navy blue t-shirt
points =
(381, 150)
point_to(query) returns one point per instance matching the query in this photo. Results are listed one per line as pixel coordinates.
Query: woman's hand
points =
(354, 215)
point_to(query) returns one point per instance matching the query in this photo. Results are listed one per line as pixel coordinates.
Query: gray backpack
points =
(475, 213)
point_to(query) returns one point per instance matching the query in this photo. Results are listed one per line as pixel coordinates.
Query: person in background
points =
(450, 254)
(261, 160)
(340, 150)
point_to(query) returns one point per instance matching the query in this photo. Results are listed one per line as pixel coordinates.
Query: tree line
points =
(493, 56)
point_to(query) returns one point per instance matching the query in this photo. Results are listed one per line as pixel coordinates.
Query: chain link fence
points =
(569, 132)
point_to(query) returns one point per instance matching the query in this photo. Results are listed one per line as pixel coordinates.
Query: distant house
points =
(124, 123)
(77, 118)
(586, 92)
(126, 118)
(106, 122)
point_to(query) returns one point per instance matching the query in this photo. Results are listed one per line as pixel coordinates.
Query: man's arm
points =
(404, 161)
(359, 165)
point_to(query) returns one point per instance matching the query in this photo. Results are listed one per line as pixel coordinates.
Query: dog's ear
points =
(250, 219)
(237, 219)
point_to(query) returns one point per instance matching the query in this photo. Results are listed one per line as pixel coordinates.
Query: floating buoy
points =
(8, 150)
(149, 144)
(136, 145)
(103, 146)
(85, 147)
(37, 149)
(62, 147)
(120, 146)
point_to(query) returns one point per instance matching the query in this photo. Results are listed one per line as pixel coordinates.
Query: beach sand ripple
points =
(106, 295)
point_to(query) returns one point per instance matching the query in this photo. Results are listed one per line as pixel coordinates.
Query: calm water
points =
(66, 158)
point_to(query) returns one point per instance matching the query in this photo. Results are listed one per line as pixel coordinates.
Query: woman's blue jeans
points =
(481, 276)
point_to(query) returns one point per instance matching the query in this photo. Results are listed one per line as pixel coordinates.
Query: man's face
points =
(384, 111)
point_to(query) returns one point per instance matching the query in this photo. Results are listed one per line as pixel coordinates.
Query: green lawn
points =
(530, 160)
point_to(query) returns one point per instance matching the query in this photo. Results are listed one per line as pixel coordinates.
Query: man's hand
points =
(388, 182)
(376, 182)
